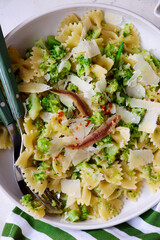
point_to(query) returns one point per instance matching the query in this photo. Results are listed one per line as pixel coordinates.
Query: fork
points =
(12, 114)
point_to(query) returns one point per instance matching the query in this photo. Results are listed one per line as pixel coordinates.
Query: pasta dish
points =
(92, 128)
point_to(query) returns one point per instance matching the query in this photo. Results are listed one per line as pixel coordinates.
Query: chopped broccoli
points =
(83, 66)
(28, 53)
(72, 87)
(156, 61)
(75, 175)
(111, 152)
(139, 111)
(51, 41)
(97, 118)
(28, 201)
(43, 144)
(99, 98)
(58, 52)
(112, 87)
(41, 43)
(73, 215)
(125, 154)
(148, 169)
(34, 106)
(119, 100)
(54, 203)
(51, 103)
(93, 34)
(104, 140)
(84, 212)
(39, 176)
(127, 29)
(44, 166)
(111, 50)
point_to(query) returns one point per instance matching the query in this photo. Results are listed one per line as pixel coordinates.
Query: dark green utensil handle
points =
(5, 113)
(8, 81)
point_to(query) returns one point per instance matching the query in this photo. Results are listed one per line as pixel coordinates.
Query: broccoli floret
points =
(39, 176)
(41, 43)
(156, 62)
(93, 34)
(83, 66)
(125, 155)
(43, 144)
(51, 41)
(100, 98)
(34, 106)
(72, 87)
(111, 152)
(104, 140)
(119, 100)
(84, 212)
(112, 87)
(28, 201)
(127, 29)
(44, 166)
(139, 111)
(58, 52)
(111, 50)
(51, 103)
(73, 215)
(97, 118)
(75, 175)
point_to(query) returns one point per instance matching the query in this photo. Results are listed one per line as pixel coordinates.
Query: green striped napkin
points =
(22, 226)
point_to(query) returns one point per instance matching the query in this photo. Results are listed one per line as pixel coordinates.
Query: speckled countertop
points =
(13, 12)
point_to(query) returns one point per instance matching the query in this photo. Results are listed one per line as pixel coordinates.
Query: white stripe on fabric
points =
(79, 235)
(157, 207)
(143, 226)
(120, 234)
(27, 230)
(6, 238)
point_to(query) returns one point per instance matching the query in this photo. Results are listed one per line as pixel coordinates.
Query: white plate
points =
(23, 37)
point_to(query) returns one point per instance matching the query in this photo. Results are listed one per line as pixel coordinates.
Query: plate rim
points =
(82, 226)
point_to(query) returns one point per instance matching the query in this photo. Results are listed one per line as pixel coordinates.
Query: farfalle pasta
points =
(72, 84)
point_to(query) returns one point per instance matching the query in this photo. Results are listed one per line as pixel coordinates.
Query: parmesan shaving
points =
(113, 18)
(149, 122)
(139, 103)
(137, 91)
(127, 116)
(71, 187)
(90, 48)
(138, 158)
(147, 75)
(83, 86)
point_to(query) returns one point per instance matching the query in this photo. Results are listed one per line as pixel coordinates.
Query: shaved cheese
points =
(113, 108)
(79, 129)
(71, 187)
(137, 91)
(113, 18)
(147, 74)
(127, 116)
(67, 101)
(33, 87)
(138, 158)
(47, 77)
(57, 144)
(63, 61)
(101, 85)
(78, 156)
(83, 86)
(139, 103)
(46, 116)
(149, 122)
(70, 201)
(90, 48)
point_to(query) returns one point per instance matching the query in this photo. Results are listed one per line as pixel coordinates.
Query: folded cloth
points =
(22, 226)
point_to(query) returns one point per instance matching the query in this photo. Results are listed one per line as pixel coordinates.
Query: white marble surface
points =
(13, 12)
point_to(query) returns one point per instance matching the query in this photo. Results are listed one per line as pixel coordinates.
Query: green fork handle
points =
(5, 113)
(9, 82)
